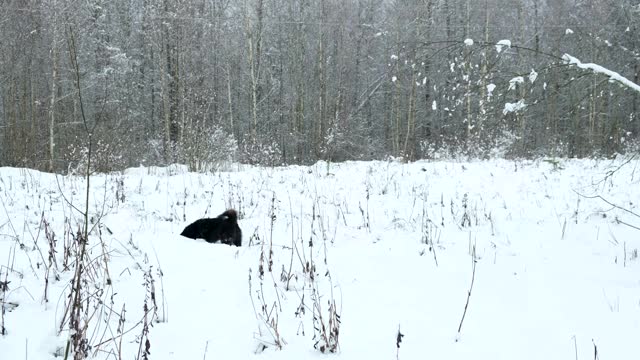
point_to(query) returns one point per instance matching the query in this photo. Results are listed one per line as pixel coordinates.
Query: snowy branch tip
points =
(598, 69)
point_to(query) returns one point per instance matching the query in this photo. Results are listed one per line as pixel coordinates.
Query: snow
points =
(514, 107)
(555, 274)
(490, 89)
(514, 81)
(502, 44)
(533, 76)
(598, 69)
(468, 42)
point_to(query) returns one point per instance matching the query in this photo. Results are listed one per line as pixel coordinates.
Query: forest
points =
(272, 82)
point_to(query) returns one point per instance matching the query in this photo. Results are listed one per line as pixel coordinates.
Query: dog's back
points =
(223, 228)
(202, 229)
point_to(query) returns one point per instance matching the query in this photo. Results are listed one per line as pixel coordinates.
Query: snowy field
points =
(335, 258)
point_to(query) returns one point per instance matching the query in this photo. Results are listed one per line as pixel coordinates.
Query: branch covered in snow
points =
(598, 69)
(514, 107)
(502, 44)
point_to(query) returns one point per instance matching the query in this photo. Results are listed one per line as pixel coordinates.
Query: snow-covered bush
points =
(106, 156)
(207, 149)
(261, 152)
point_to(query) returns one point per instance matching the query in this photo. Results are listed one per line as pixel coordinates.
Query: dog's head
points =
(192, 231)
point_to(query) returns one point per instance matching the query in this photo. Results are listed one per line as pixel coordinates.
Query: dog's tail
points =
(230, 214)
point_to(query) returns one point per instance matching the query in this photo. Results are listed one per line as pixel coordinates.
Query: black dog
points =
(224, 228)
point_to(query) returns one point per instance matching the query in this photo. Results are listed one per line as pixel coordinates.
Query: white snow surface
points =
(599, 69)
(555, 274)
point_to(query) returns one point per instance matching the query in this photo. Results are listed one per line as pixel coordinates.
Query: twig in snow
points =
(206, 346)
(473, 277)
(399, 337)
(608, 202)
(615, 206)
(293, 245)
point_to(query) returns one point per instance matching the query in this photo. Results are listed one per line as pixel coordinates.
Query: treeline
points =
(295, 81)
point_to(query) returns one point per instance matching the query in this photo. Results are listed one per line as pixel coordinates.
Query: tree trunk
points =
(54, 79)
(253, 60)
(320, 126)
(230, 103)
(483, 76)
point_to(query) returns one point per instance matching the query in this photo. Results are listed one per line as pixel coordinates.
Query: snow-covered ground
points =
(386, 245)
